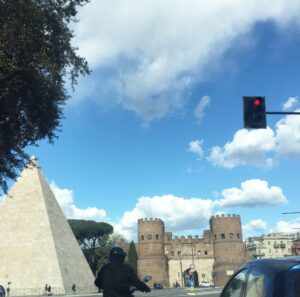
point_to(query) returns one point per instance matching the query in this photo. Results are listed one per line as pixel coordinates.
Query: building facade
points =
(272, 245)
(215, 256)
(296, 245)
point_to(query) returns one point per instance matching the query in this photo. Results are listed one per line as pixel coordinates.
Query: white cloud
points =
(182, 214)
(253, 193)
(260, 147)
(178, 213)
(254, 227)
(292, 226)
(247, 147)
(290, 103)
(196, 147)
(200, 108)
(154, 56)
(65, 199)
(288, 136)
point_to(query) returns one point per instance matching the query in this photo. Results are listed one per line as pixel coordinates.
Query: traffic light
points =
(254, 112)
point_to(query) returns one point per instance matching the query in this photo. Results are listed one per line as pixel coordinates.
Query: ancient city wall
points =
(186, 247)
(216, 255)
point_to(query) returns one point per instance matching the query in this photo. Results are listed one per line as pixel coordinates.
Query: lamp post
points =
(193, 254)
(214, 277)
(181, 277)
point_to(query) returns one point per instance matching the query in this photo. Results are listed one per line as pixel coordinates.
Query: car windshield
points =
(167, 130)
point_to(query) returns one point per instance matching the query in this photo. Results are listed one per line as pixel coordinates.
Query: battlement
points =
(150, 223)
(187, 239)
(223, 216)
(154, 220)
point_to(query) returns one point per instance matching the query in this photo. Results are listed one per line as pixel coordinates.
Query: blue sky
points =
(156, 129)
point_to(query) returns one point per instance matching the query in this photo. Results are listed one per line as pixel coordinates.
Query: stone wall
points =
(204, 268)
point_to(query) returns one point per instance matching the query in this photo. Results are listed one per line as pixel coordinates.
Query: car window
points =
(256, 284)
(236, 285)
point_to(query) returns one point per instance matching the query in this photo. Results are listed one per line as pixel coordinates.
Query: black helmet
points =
(117, 253)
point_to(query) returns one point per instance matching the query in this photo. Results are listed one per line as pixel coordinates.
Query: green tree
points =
(132, 256)
(105, 246)
(36, 58)
(103, 250)
(93, 238)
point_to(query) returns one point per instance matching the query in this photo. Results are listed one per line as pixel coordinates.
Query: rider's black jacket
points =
(115, 278)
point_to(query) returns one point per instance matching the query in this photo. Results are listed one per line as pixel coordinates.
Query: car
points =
(276, 277)
(205, 284)
(157, 286)
(2, 291)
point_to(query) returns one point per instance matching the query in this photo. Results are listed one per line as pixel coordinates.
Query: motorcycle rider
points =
(116, 277)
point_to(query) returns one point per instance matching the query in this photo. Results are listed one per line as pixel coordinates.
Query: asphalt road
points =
(182, 292)
(173, 292)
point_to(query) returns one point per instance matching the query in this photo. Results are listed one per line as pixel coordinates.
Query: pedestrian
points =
(116, 277)
(74, 289)
(7, 291)
(49, 290)
(45, 290)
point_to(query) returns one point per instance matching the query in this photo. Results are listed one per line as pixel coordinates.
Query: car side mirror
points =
(147, 278)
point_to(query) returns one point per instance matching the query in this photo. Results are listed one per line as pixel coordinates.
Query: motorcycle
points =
(146, 279)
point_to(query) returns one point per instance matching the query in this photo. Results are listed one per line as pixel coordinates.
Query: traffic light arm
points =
(292, 212)
(281, 112)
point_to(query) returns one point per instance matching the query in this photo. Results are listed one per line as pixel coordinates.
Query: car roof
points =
(275, 264)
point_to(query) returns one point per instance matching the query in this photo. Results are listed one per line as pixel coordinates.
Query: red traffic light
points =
(254, 112)
(256, 102)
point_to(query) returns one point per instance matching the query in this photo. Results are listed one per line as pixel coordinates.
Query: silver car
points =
(2, 291)
(277, 277)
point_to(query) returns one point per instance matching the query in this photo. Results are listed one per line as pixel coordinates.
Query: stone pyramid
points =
(37, 245)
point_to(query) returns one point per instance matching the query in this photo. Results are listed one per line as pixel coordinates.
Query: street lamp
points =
(214, 274)
(193, 254)
(181, 278)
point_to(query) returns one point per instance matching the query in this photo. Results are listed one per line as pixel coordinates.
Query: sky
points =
(157, 129)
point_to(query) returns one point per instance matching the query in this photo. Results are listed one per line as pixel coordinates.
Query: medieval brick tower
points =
(228, 247)
(151, 253)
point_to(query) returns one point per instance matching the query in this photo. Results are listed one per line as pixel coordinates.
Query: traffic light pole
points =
(281, 112)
